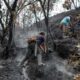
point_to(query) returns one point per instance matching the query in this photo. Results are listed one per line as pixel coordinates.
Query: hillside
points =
(56, 67)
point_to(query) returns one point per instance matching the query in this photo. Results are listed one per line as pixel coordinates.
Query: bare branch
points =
(6, 3)
(14, 5)
(2, 25)
(48, 5)
(44, 2)
(23, 6)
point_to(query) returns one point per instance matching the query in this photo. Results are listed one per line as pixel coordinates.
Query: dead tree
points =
(46, 18)
(12, 11)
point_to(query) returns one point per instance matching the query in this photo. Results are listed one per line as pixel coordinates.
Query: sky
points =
(58, 8)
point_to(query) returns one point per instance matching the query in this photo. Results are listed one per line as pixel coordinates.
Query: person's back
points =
(40, 40)
(65, 21)
(65, 25)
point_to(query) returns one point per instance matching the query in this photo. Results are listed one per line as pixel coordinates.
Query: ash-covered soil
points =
(55, 67)
(9, 70)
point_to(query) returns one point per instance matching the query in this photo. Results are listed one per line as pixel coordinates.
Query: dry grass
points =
(77, 77)
(74, 60)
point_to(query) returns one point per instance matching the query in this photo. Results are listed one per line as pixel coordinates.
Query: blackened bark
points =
(2, 25)
(9, 8)
(10, 25)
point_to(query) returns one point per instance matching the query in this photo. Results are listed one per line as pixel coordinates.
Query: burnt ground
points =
(55, 67)
(9, 70)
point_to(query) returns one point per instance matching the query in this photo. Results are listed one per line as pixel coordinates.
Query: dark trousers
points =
(30, 53)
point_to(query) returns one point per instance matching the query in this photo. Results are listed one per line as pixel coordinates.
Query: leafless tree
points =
(46, 18)
(9, 25)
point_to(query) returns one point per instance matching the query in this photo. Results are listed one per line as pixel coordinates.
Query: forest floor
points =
(55, 67)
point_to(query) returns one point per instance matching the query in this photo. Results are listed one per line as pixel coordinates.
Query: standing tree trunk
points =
(46, 19)
(10, 26)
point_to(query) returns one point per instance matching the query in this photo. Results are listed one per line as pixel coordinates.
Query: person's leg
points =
(35, 52)
(29, 54)
(39, 58)
(64, 30)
